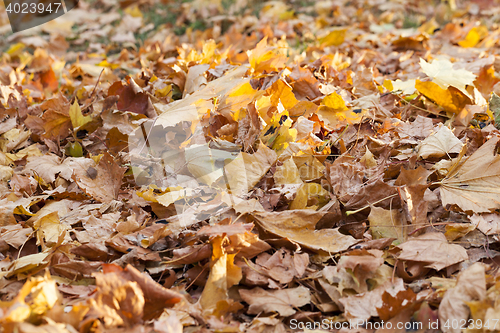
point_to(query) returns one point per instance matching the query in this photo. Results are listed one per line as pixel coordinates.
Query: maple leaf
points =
(102, 181)
(433, 249)
(299, 226)
(266, 58)
(442, 142)
(471, 285)
(281, 301)
(471, 191)
(444, 75)
(450, 99)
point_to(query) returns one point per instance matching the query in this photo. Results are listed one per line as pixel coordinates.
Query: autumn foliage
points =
(230, 166)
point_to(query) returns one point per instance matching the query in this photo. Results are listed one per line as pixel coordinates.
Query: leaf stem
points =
(350, 212)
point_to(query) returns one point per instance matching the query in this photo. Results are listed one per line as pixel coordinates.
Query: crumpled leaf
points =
(299, 226)
(471, 286)
(364, 306)
(488, 224)
(432, 249)
(247, 169)
(102, 181)
(439, 144)
(127, 297)
(48, 166)
(443, 74)
(283, 301)
(475, 185)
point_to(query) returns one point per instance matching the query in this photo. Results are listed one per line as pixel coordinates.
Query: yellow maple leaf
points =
(76, 116)
(444, 75)
(266, 58)
(334, 38)
(335, 102)
(474, 36)
(450, 99)
(278, 133)
(281, 91)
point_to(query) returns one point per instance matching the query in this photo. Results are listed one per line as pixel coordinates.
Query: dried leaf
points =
(471, 286)
(283, 302)
(439, 144)
(432, 249)
(105, 186)
(471, 191)
(299, 226)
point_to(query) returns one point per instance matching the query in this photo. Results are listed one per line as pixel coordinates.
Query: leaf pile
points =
(304, 162)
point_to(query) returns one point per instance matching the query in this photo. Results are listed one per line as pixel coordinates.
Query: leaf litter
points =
(242, 166)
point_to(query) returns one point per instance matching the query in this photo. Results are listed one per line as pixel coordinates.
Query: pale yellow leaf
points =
(475, 185)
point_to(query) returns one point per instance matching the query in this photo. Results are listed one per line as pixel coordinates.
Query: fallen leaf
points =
(441, 143)
(105, 185)
(386, 223)
(474, 36)
(247, 169)
(283, 302)
(432, 249)
(364, 306)
(48, 166)
(76, 116)
(299, 226)
(488, 224)
(471, 286)
(443, 74)
(470, 191)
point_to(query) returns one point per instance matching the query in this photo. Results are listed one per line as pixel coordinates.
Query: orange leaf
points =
(451, 99)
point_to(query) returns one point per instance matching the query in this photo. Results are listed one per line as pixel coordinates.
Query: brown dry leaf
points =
(364, 306)
(127, 297)
(362, 264)
(347, 179)
(348, 122)
(488, 224)
(470, 189)
(48, 166)
(102, 181)
(223, 275)
(395, 304)
(56, 125)
(245, 171)
(386, 223)
(298, 226)
(283, 267)
(284, 302)
(432, 249)
(132, 98)
(413, 177)
(471, 286)
(117, 302)
(417, 206)
(15, 235)
(441, 143)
